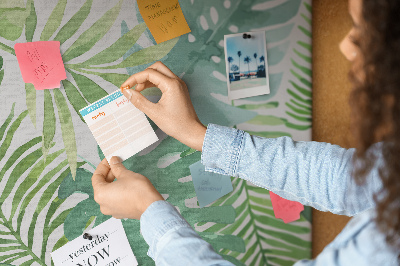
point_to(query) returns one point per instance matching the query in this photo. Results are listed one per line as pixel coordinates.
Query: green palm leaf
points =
(145, 56)
(119, 48)
(89, 89)
(55, 18)
(74, 23)
(67, 130)
(92, 35)
(30, 95)
(31, 21)
(258, 208)
(1, 70)
(27, 179)
(7, 48)
(301, 93)
(74, 97)
(49, 123)
(13, 18)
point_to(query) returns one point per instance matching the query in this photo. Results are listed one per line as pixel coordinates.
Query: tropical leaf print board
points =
(48, 155)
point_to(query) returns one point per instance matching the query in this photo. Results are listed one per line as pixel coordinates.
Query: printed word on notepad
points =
(118, 126)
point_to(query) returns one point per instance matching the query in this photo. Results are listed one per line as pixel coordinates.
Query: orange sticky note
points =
(164, 18)
(41, 64)
(288, 211)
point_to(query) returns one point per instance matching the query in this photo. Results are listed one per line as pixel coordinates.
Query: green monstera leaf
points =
(170, 181)
(29, 183)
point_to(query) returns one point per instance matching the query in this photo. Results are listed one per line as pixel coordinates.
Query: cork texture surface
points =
(331, 89)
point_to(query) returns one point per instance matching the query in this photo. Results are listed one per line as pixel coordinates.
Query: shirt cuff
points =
(222, 148)
(158, 219)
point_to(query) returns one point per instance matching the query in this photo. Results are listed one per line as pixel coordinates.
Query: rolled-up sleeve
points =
(172, 241)
(313, 173)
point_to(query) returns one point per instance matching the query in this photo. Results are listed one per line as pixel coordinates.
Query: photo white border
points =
(247, 92)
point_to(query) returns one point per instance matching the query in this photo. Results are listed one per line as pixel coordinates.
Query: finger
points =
(157, 78)
(100, 174)
(141, 102)
(110, 177)
(143, 86)
(160, 67)
(105, 210)
(117, 167)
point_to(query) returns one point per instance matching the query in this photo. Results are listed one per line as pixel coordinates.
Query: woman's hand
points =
(127, 197)
(174, 113)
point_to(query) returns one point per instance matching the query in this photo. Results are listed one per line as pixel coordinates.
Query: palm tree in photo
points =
(262, 59)
(255, 60)
(239, 53)
(230, 60)
(247, 60)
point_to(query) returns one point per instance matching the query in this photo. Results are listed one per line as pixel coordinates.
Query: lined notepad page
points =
(118, 126)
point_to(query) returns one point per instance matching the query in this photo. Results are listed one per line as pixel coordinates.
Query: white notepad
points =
(118, 126)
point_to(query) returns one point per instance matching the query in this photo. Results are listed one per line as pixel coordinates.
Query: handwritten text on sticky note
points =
(288, 211)
(209, 186)
(41, 64)
(164, 18)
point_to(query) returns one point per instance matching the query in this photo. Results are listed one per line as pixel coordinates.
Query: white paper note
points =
(118, 126)
(109, 246)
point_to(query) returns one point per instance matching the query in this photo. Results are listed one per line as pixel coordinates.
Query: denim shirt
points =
(312, 173)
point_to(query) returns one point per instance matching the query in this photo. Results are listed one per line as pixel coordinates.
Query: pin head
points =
(246, 36)
(87, 236)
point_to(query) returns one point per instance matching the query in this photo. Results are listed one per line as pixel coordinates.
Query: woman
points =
(362, 182)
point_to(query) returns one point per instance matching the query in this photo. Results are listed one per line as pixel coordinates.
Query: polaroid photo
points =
(246, 64)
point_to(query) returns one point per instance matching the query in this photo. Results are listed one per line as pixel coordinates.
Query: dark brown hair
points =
(376, 108)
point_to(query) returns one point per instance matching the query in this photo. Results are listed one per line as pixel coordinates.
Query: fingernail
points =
(127, 93)
(115, 160)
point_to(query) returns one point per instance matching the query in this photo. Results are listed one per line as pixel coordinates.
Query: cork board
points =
(331, 89)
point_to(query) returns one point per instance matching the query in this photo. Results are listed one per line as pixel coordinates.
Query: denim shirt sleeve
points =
(172, 241)
(312, 173)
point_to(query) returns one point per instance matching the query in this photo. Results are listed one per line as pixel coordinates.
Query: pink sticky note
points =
(284, 209)
(41, 64)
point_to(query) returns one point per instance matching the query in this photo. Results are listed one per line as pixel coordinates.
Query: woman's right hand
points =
(174, 112)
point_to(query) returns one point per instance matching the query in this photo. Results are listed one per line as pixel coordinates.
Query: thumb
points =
(117, 167)
(100, 174)
(139, 101)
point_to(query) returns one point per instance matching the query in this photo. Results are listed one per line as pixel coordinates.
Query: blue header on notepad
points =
(100, 103)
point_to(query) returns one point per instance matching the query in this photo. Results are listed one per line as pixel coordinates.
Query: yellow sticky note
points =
(164, 18)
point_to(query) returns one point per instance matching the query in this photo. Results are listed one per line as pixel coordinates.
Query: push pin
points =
(87, 236)
(125, 88)
(246, 36)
